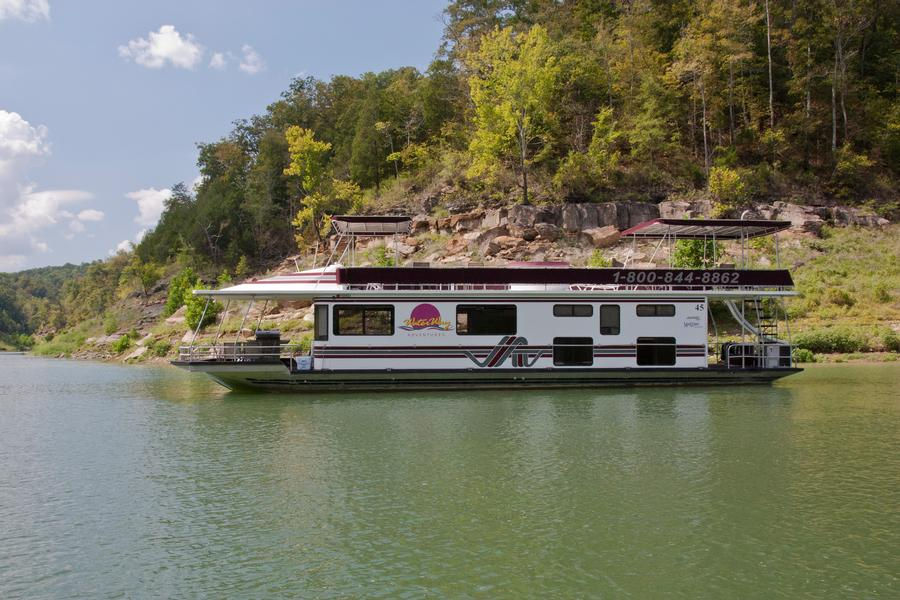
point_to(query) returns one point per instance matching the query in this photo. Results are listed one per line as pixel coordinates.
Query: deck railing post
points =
(199, 325)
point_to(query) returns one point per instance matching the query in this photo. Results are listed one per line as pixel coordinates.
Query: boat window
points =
(476, 319)
(573, 351)
(573, 310)
(655, 351)
(609, 319)
(656, 310)
(321, 322)
(364, 320)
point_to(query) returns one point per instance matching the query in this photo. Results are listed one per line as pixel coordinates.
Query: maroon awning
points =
(698, 229)
(371, 224)
(686, 278)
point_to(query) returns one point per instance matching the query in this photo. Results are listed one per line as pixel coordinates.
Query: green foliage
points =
(121, 345)
(144, 274)
(832, 339)
(850, 172)
(727, 187)
(309, 158)
(512, 87)
(381, 257)
(313, 220)
(840, 297)
(180, 284)
(110, 324)
(161, 348)
(597, 260)
(197, 308)
(695, 254)
(802, 355)
(63, 344)
(242, 269)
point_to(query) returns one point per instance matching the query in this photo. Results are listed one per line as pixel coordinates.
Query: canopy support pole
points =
(200, 323)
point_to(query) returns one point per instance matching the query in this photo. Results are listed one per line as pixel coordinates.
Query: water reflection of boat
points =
(521, 325)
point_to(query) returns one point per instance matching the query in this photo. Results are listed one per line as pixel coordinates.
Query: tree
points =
(145, 274)
(512, 86)
(309, 158)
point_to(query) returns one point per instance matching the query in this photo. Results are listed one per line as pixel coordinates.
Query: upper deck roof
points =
(371, 225)
(699, 229)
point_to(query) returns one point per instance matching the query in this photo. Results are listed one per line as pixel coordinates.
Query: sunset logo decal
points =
(425, 317)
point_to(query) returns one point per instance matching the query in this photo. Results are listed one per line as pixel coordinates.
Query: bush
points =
(110, 325)
(727, 187)
(184, 281)
(833, 339)
(161, 348)
(380, 257)
(802, 355)
(891, 341)
(840, 297)
(882, 293)
(598, 260)
(695, 254)
(195, 310)
(121, 345)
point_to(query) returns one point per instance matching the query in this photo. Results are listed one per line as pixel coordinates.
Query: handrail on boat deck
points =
(245, 351)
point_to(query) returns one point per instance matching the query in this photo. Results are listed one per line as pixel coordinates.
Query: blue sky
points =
(102, 103)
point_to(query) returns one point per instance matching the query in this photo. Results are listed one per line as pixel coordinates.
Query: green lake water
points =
(134, 482)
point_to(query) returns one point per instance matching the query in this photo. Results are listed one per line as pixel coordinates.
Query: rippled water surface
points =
(149, 482)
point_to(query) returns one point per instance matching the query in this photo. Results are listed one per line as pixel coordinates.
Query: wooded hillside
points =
(546, 101)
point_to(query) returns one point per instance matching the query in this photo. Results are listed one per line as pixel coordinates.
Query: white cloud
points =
(76, 226)
(26, 211)
(91, 214)
(218, 61)
(151, 203)
(19, 141)
(24, 10)
(251, 62)
(128, 245)
(164, 46)
(36, 210)
(123, 246)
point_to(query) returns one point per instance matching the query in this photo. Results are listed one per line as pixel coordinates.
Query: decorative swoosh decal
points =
(508, 346)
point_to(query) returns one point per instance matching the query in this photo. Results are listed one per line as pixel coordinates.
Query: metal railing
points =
(250, 351)
(751, 355)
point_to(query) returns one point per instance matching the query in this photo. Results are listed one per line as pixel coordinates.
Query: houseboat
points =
(521, 325)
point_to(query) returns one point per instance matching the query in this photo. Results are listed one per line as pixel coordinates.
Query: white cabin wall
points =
(535, 322)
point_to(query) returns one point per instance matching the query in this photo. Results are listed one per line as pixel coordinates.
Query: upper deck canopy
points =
(371, 225)
(699, 229)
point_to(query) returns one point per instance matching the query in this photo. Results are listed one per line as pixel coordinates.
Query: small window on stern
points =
(321, 322)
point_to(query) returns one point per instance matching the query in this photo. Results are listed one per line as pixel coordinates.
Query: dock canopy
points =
(371, 225)
(700, 229)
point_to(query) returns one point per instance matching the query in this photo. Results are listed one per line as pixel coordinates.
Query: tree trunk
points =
(834, 107)
(523, 149)
(705, 151)
(731, 102)
(769, 50)
(843, 79)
